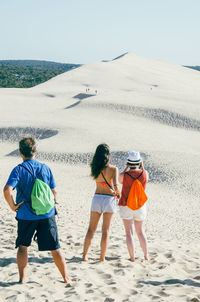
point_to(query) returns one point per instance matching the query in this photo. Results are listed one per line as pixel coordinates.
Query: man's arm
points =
(55, 194)
(9, 198)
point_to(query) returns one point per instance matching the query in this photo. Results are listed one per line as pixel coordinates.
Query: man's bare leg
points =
(60, 263)
(22, 260)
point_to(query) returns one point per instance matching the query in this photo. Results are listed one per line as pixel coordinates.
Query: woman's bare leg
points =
(128, 225)
(107, 218)
(142, 237)
(94, 219)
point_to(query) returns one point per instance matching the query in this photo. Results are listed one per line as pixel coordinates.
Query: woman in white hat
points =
(134, 170)
(104, 200)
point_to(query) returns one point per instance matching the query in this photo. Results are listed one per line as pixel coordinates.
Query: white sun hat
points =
(134, 157)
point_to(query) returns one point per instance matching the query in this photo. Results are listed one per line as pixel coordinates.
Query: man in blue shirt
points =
(22, 178)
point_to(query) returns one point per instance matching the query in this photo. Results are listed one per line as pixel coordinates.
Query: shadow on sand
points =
(8, 284)
(74, 259)
(14, 134)
(162, 116)
(80, 97)
(187, 282)
(7, 261)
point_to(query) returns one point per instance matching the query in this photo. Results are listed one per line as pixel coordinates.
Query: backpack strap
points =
(31, 172)
(134, 177)
(41, 171)
(27, 170)
(20, 189)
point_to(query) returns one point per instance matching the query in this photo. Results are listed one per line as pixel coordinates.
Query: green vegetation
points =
(28, 73)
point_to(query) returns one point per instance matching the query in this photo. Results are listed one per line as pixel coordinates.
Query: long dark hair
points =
(100, 159)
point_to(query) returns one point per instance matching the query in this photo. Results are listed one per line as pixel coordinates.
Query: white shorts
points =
(104, 203)
(139, 215)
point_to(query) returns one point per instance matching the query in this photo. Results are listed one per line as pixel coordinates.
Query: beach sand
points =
(141, 104)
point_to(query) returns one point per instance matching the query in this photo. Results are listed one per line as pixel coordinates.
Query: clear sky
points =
(84, 31)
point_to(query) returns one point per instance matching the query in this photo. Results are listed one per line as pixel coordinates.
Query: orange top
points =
(103, 183)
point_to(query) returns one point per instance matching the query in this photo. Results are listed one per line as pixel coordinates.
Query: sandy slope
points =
(140, 104)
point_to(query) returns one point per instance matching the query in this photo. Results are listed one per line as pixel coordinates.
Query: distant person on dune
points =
(104, 201)
(134, 170)
(24, 177)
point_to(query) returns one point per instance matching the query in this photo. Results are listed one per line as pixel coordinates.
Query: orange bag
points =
(137, 196)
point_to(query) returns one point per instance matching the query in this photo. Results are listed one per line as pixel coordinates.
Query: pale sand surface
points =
(140, 104)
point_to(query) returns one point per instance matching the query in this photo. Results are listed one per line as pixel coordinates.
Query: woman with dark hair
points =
(104, 200)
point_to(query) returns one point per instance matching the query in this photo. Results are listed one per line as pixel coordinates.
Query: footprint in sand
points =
(168, 255)
(71, 291)
(119, 272)
(134, 292)
(139, 286)
(163, 293)
(155, 297)
(109, 300)
(107, 276)
(152, 261)
(11, 298)
(162, 266)
(88, 284)
(74, 268)
(89, 291)
(77, 243)
(119, 264)
(110, 281)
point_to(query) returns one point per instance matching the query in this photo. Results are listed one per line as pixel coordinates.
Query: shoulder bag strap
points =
(108, 183)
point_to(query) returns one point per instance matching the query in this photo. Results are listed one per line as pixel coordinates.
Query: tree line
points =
(29, 73)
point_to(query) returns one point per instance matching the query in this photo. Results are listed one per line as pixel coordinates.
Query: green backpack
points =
(42, 198)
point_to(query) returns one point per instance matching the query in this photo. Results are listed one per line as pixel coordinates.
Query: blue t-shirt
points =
(23, 181)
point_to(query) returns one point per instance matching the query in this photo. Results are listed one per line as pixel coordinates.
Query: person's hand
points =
(141, 166)
(126, 168)
(15, 207)
(119, 195)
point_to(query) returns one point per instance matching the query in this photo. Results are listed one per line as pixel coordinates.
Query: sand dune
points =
(132, 103)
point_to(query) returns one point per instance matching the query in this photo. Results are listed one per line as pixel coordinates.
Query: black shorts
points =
(46, 232)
